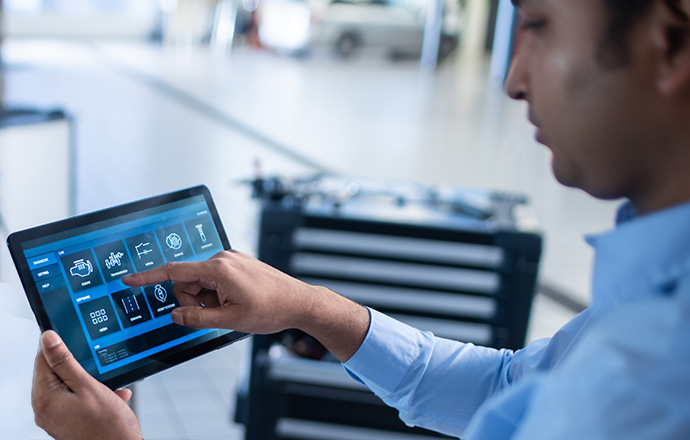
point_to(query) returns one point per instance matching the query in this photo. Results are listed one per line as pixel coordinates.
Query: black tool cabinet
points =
(461, 263)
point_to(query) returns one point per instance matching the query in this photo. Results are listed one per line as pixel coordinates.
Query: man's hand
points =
(69, 404)
(234, 291)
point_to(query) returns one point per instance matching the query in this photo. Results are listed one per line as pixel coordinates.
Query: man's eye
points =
(533, 25)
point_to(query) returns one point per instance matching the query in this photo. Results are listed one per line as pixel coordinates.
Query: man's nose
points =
(517, 83)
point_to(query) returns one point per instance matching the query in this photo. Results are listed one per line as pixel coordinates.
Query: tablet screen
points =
(72, 271)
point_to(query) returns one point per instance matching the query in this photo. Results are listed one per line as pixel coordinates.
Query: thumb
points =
(60, 360)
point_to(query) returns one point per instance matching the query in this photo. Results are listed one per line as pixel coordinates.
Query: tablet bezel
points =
(154, 363)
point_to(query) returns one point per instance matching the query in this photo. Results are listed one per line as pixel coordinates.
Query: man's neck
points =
(671, 190)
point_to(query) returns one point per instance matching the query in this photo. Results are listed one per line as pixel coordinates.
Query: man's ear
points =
(675, 40)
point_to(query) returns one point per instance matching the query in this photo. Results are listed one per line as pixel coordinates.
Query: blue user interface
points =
(78, 275)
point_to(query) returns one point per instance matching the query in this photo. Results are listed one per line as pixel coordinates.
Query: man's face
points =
(595, 120)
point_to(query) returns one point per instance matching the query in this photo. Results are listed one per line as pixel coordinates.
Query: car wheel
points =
(446, 46)
(346, 45)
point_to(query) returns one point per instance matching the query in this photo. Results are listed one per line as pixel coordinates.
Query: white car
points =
(346, 25)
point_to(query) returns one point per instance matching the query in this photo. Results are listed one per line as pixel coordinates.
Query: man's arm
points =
(238, 292)
(241, 293)
(439, 384)
(433, 382)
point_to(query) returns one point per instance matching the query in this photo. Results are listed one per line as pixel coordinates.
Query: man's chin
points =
(577, 181)
(567, 177)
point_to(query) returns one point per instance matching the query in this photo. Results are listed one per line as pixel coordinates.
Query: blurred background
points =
(107, 101)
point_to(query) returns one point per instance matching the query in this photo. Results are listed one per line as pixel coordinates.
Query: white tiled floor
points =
(150, 120)
(194, 400)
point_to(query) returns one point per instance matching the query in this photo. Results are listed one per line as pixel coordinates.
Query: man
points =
(608, 88)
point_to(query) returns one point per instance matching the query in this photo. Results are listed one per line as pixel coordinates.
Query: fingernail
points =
(177, 318)
(51, 339)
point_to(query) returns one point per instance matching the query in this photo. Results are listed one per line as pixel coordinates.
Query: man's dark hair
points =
(622, 15)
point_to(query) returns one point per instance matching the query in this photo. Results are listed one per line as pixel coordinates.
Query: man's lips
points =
(539, 133)
(539, 136)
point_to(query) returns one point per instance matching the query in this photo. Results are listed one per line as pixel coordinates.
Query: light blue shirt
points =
(618, 370)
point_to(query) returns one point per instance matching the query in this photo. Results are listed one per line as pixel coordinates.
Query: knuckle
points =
(60, 358)
(218, 263)
(192, 319)
(221, 255)
(221, 265)
(169, 268)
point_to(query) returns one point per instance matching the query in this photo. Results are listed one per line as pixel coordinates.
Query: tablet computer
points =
(71, 271)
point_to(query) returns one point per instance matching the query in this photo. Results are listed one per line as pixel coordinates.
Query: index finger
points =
(183, 272)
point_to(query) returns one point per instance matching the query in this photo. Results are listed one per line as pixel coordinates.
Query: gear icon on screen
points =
(173, 241)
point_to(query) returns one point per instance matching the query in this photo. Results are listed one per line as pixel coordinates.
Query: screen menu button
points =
(46, 285)
(114, 260)
(145, 251)
(82, 270)
(161, 298)
(203, 235)
(99, 317)
(131, 306)
(174, 242)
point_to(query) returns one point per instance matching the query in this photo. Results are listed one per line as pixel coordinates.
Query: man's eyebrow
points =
(520, 3)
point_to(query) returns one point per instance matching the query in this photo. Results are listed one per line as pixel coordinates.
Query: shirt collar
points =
(642, 256)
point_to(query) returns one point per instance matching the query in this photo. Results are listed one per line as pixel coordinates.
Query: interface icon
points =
(114, 260)
(130, 304)
(160, 298)
(200, 229)
(143, 249)
(82, 268)
(131, 307)
(202, 235)
(174, 241)
(98, 316)
(160, 293)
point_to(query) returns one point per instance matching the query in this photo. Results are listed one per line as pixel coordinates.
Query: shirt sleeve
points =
(433, 382)
(438, 383)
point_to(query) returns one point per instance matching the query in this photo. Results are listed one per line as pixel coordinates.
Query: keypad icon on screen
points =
(98, 316)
